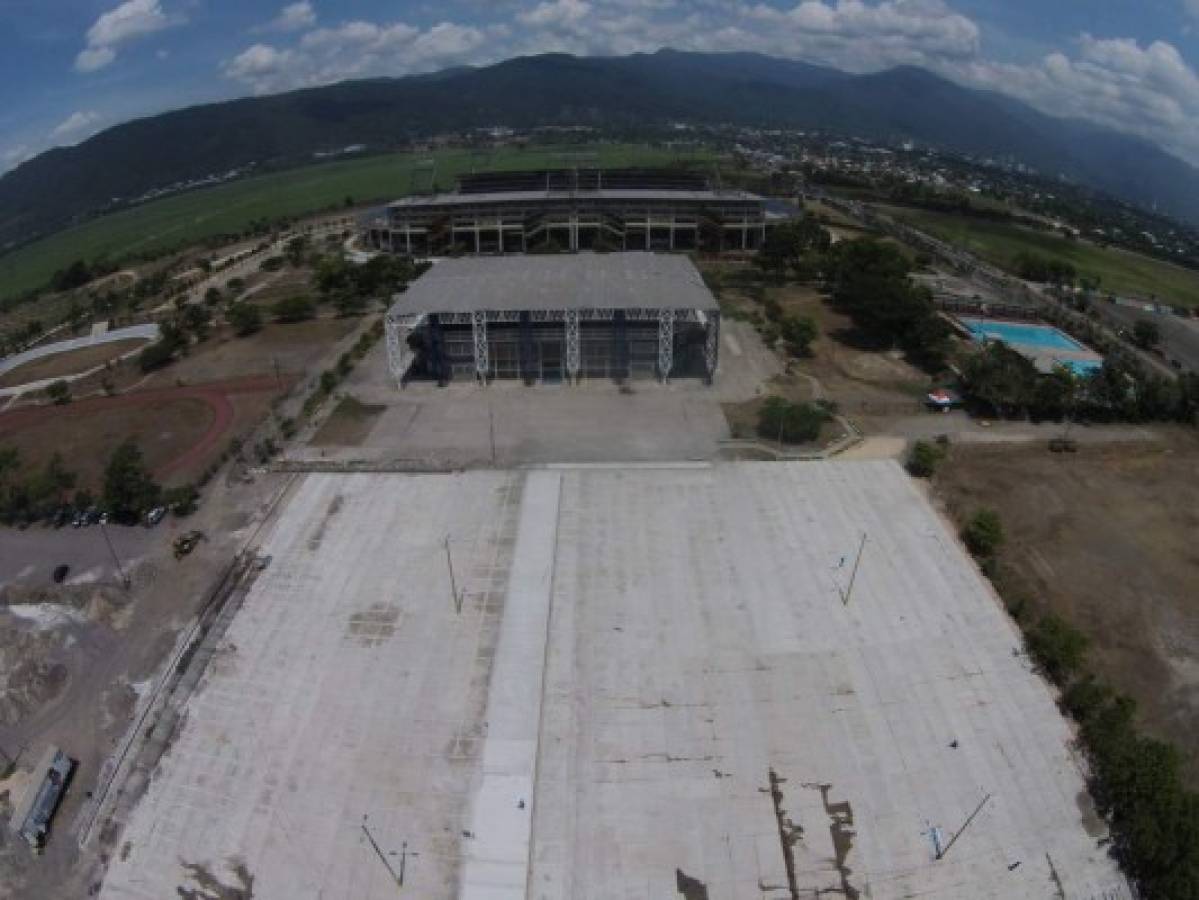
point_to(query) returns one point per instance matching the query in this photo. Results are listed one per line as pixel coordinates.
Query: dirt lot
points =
(67, 363)
(180, 430)
(1105, 538)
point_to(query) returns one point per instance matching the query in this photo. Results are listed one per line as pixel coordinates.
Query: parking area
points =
(618, 681)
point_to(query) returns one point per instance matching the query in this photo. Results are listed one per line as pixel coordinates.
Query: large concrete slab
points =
(639, 649)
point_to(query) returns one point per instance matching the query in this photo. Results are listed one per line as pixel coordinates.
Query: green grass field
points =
(178, 221)
(999, 243)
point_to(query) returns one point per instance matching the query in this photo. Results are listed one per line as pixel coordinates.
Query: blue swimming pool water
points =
(1041, 336)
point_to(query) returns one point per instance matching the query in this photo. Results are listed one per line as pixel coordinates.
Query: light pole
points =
(115, 559)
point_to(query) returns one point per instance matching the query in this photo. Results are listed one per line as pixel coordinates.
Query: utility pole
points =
(848, 592)
(115, 559)
(449, 561)
(943, 853)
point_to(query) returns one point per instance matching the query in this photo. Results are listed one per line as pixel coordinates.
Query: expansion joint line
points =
(549, 625)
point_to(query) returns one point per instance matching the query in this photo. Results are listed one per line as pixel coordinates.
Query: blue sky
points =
(70, 68)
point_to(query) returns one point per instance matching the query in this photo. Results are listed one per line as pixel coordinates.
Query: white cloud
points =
(355, 49)
(1149, 90)
(293, 17)
(92, 58)
(74, 126)
(1191, 8)
(554, 13)
(131, 20)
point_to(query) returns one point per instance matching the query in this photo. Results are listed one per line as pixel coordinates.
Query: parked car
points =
(60, 573)
(154, 516)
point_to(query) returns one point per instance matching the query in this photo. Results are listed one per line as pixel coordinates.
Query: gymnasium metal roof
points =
(557, 281)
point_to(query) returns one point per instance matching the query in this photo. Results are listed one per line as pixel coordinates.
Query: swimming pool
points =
(1043, 337)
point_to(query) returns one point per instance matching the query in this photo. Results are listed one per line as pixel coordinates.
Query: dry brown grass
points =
(1106, 539)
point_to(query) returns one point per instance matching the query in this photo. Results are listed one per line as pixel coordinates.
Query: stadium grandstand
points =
(555, 317)
(569, 210)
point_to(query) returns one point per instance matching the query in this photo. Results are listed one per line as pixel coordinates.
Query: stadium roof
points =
(557, 281)
(416, 202)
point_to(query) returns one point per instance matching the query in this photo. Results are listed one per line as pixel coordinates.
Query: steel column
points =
(572, 344)
(712, 344)
(665, 343)
(479, 330)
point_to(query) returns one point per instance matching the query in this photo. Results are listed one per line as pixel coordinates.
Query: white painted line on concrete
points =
(496, 854)
(601, 467)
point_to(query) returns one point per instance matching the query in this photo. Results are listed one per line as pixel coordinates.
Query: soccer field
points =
(648, 681)
(181, 220)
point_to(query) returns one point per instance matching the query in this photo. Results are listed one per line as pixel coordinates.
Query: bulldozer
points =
(185, 543)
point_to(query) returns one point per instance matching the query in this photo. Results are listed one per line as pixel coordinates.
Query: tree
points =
(59, 391)
(213, 296)
(246, 318)
(983, 534)
(1001, 378)
(871, 284)
(294, 309)
(295, 250)
(129, 490)
(1146, 334)
(195, 319)
(798, 332)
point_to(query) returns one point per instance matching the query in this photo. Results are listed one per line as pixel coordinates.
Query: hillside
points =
(57, 187)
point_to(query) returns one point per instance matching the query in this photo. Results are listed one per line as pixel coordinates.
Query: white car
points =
(154, 516)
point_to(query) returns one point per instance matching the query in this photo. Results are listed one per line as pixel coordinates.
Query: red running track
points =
(214, 394)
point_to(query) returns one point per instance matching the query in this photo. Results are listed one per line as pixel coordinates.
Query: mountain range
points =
(51, 190)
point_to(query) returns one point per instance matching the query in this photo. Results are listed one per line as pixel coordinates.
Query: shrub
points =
(983, 534)
(246, 318)
(59, 392)
(924, 459)
(156, 356)
(790, 423)
(1058, 647)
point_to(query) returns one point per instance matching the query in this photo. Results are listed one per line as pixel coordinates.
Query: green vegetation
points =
(1005, 243)
(1146, 334)
(790, 423)
(245, 318)
(924, 459)
(129, 491)
(983, 534)
(870, 283)
(243, 206)
(331, 377)
(1000, 380)
(59, 391)
(293, 309)
(36, 496)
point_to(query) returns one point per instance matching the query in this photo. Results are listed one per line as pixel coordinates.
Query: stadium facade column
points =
(527, 360)
(482, 357)
(572, 345)
(712, 344)
(665, 343)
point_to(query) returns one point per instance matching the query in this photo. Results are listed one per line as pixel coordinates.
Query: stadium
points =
(572, 209)
(555, 317)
